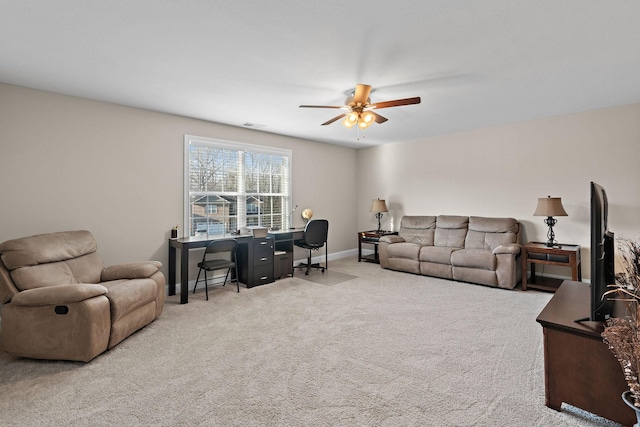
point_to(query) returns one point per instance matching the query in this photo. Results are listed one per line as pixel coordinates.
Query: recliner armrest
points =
(512, 248)
(392, 239)
(57, 295)
(130, 270)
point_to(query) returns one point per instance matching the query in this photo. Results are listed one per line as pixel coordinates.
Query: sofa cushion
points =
(435, 269)
(489, 233)
(404, 264)
(476, 275)
(52, 259)
(436, 254)
(126, 296)
(84, 269)
(418, 229)
(404, 250)
(474, 258)
(46, 248)
(58, 295)
(451, 231)
(131, 270)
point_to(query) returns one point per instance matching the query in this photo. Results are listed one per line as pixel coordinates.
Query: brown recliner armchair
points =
(60, 302)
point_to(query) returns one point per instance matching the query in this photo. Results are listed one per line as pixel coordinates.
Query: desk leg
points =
(172, 270)
(359, 248)
(184, 276)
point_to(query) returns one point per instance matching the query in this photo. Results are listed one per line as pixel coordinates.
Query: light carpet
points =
(381, 349)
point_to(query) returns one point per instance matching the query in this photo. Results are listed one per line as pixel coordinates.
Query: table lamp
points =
(550, 207)
(378, 207)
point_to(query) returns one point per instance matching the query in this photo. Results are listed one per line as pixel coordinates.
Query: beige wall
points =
(502, 171)
(71, 163)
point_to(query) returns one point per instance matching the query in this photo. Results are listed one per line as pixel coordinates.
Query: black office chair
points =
(315, 237)
(227, 246)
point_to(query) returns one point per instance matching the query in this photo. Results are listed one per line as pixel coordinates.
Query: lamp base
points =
(551, 221)
(379, 216)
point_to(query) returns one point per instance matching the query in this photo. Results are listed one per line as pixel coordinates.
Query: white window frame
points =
(242, 196)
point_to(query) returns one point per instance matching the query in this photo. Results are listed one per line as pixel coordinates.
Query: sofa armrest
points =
(130, 270)
(392, 239)
(57, 295)
(512, 248)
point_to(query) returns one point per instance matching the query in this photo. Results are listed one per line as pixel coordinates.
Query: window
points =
(229, 186)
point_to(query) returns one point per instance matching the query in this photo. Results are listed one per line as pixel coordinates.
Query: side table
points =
(371, 237)
(563, 255)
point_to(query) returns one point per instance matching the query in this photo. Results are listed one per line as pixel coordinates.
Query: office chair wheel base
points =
(306, 273)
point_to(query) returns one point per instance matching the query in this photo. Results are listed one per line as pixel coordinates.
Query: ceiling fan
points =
(359, 108)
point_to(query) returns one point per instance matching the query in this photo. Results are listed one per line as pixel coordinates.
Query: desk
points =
(539, 253)
(186, 244)
(579, 369)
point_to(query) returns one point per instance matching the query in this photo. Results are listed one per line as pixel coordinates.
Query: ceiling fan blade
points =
(321, 106)
(396, 103)
(334, 119)
(361, 94)
(379, 118)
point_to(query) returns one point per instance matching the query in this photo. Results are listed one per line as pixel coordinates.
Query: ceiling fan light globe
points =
(347, 123)
(362, 124)
(368, 117)
(352, 117)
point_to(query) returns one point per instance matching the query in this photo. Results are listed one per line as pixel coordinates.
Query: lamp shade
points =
(550, 206)
(378, 206)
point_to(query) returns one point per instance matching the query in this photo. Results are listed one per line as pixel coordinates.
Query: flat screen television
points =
(602, 255)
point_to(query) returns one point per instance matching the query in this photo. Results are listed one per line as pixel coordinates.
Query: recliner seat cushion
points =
(404, 250)
(436, 254)
(127, 295)
(474, 258)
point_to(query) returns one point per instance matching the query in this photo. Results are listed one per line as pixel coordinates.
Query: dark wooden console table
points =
(539, 253)
(371, 237)
(579, 369)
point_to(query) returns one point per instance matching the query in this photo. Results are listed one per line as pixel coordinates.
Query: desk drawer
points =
(263, 255)
(263, 274)
(263, 248)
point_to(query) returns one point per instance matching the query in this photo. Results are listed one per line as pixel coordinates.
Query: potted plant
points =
(622, 334)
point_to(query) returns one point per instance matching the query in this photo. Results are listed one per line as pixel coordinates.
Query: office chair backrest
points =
(315, 232)
(226, 245)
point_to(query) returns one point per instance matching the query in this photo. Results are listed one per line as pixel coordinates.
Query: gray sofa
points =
(472, 249)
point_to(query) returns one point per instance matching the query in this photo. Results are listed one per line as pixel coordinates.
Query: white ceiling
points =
(475, 63)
